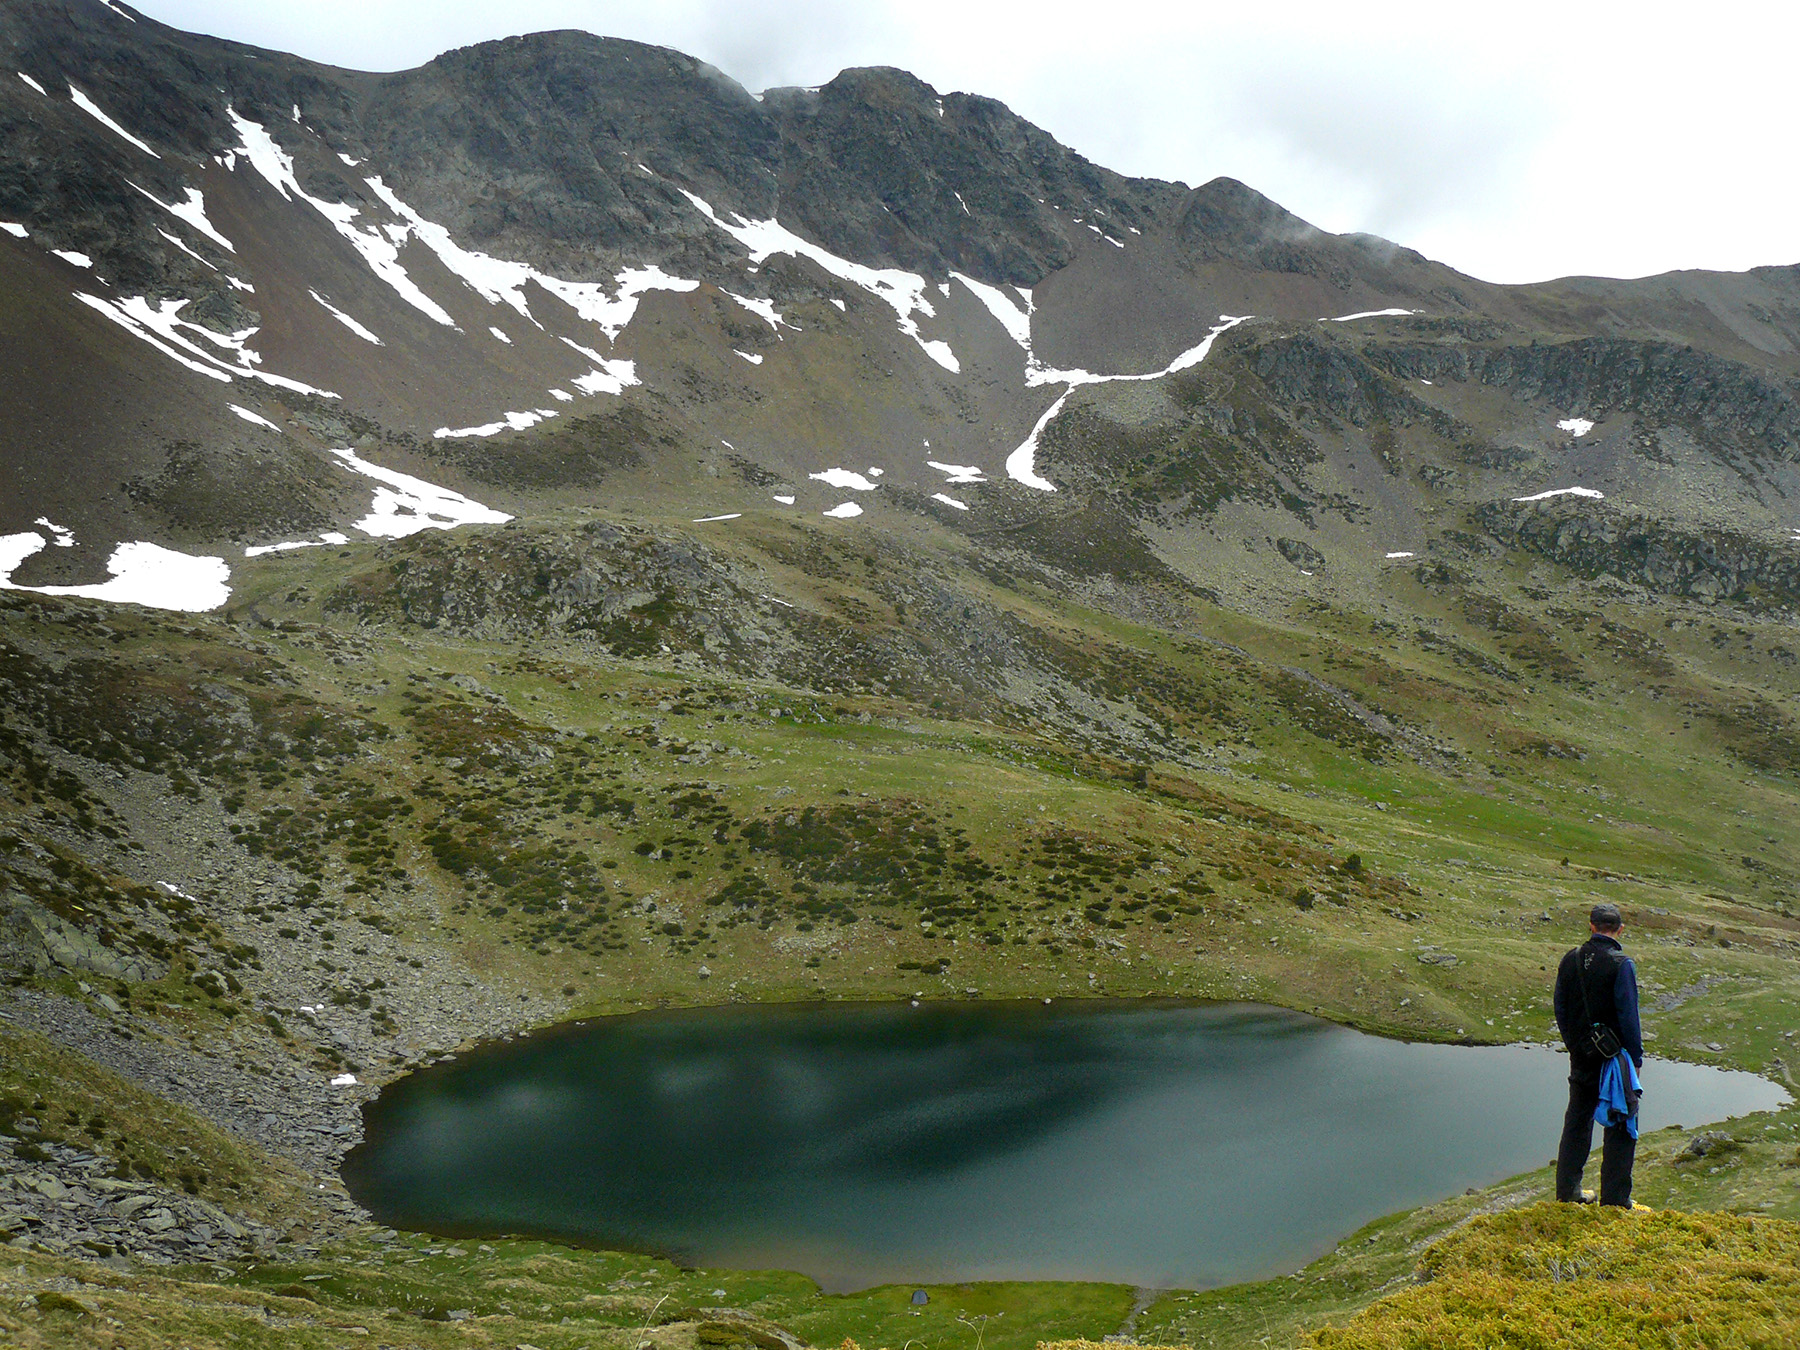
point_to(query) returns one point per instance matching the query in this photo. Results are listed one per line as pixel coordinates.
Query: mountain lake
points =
(1154, 1144)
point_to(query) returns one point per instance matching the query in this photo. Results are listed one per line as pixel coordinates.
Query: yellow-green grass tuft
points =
(1560, 1275)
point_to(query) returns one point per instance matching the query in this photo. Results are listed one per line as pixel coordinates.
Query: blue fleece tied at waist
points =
(1619, 1092)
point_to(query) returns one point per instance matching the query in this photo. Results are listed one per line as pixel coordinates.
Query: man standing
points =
(1596, 985)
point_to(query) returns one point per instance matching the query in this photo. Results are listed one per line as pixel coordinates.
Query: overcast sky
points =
(1516, 141)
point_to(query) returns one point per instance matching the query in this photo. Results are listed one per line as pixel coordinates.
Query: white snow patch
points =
(949, 501)
(34, 84)
(959, 473)
(500, 334)
(843, 511)
(843, 478)
(562, 396)
(876, 473)
(1399, 555)
(73, 258)
(164, 329)
(763, 309)
(182, 245)
(346, 320)
(1426, 382)
(1016, 322)
(1370, 314)
(499, 281)
(1575, 426)
(253, 418)
(610, 378)
(331, 538)
(344, 1080)
(16, 230)
(754, 358)
(378, 251)
(193, 211)
(839, 303)
(513, 421)
(785, 501)
(904, 292)
(92, 109)
(131, 326)
(237, 285)
(1020, 464)
(407, 505)
(142, 574)
(954, 193)
(62, 538)
(1563, 492)
(116, 10)
(707, 520)
(348, 162)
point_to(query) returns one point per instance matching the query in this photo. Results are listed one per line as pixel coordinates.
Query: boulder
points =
(41, 940)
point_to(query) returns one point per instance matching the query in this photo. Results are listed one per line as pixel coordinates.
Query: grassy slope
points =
(1463, 843)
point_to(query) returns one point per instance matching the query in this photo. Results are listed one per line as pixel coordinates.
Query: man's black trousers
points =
(1618, 1148)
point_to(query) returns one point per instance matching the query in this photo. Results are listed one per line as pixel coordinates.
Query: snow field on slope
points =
(1021, 463)
(958, 473)
(192, 210)
(903, 292)
(513, 421)
(1563, 492)
(331, 538)
(141, 574)
(93, 110)
(254, 419)
(845, 478)
(405, 505)
(1575, 426)
(345, 319)
(164, 329)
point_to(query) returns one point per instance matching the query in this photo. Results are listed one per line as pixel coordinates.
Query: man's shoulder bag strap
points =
(1605, 1039)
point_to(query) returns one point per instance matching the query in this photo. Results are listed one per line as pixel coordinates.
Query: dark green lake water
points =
(1160, 1145)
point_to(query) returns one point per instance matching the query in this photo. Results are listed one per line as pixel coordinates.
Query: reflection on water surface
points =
(1158, 1145)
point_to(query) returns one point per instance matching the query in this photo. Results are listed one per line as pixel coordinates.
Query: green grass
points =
(1236, 820)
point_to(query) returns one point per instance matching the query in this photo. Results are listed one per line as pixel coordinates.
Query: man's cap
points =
(1604, 915)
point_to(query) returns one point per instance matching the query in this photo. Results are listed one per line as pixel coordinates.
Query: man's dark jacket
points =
(1600, 969)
